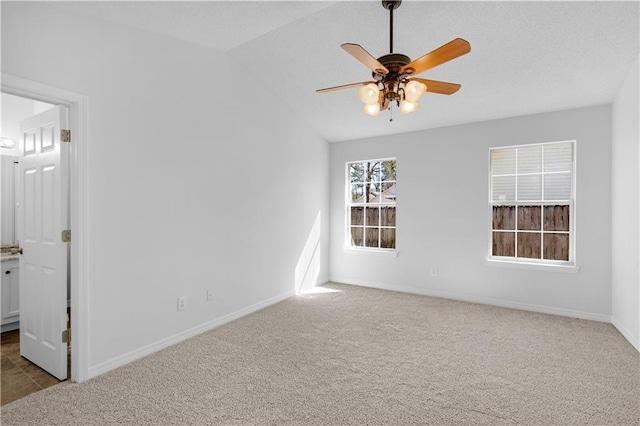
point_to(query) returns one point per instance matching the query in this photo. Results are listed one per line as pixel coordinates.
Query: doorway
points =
(35, 283)
(77, 106)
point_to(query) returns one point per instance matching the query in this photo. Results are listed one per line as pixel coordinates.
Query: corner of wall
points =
(625, 206)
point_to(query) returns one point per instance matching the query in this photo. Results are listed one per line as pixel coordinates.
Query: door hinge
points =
(65, 336)
(65, 135)
(66, 236)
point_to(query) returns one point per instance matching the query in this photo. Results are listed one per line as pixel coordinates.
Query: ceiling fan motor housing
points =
(392, 80)
(394, 62)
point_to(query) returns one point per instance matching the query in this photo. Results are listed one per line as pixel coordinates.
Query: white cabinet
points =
(10, 291)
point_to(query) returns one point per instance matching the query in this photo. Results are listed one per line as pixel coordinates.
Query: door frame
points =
(78, 207)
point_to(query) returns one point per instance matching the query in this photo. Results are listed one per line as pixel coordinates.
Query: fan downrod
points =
(391, 5)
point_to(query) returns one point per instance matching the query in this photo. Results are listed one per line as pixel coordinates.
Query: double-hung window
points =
(531, 199)
(371, 204)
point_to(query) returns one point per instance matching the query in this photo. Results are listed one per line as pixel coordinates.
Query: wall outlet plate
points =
(209, 295)
(182, 303)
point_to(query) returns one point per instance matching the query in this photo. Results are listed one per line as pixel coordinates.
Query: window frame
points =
(348, 247)
(535, 263)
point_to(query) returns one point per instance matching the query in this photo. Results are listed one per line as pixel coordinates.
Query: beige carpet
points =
(364, 356)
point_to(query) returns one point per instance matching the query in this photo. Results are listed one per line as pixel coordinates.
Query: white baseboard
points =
(121, 360)
(635, 342)
(477, 299)
(11, 326)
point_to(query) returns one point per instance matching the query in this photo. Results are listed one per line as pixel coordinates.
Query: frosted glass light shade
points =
(406, 107)
(369, 94)
(413, 90)
(371, 109)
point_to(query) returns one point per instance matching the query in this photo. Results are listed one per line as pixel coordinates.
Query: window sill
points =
(517, 264)
(384, 253)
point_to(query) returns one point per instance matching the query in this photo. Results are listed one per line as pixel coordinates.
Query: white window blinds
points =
(532, 173)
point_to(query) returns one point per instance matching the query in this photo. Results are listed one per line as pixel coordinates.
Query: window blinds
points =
(532, 173)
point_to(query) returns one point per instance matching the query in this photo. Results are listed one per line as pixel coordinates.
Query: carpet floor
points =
(350, 355)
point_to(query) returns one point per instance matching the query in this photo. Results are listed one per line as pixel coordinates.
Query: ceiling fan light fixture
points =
(371, 109)
(406, 107)
(393, 73)
(369, 94)
(413, 90)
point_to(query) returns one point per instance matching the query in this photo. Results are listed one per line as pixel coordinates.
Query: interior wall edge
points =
(625, 190)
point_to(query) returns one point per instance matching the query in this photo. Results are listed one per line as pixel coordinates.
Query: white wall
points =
(625, 215)
(443, 214)
(198, 178)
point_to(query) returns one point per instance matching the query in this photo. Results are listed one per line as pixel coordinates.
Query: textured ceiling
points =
(526, 57)
(221, 25)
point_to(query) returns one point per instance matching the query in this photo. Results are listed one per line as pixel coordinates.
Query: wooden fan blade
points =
(365, 57)
(441, 87)
(344, 86)
(442, 54)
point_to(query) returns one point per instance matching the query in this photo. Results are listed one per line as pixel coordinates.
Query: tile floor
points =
(20, 377)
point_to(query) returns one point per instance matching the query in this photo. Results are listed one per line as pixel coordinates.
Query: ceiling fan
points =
(393, 79)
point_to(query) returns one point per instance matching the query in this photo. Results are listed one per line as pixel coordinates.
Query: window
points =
(371, 204)
(532, 203)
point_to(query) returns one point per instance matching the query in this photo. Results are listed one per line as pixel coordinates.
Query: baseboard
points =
(11, 326)
(179, 337)
(635, 342)
(476, 299)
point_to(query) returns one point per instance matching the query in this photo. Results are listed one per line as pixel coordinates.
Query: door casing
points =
(78, 208)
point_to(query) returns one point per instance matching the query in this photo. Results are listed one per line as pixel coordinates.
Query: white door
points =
(42, 216)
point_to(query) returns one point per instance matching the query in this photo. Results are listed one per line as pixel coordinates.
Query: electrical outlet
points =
(434, 271)
(182, 303)
(209, 295)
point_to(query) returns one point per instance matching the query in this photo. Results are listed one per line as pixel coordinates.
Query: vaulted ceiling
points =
(526, 57)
